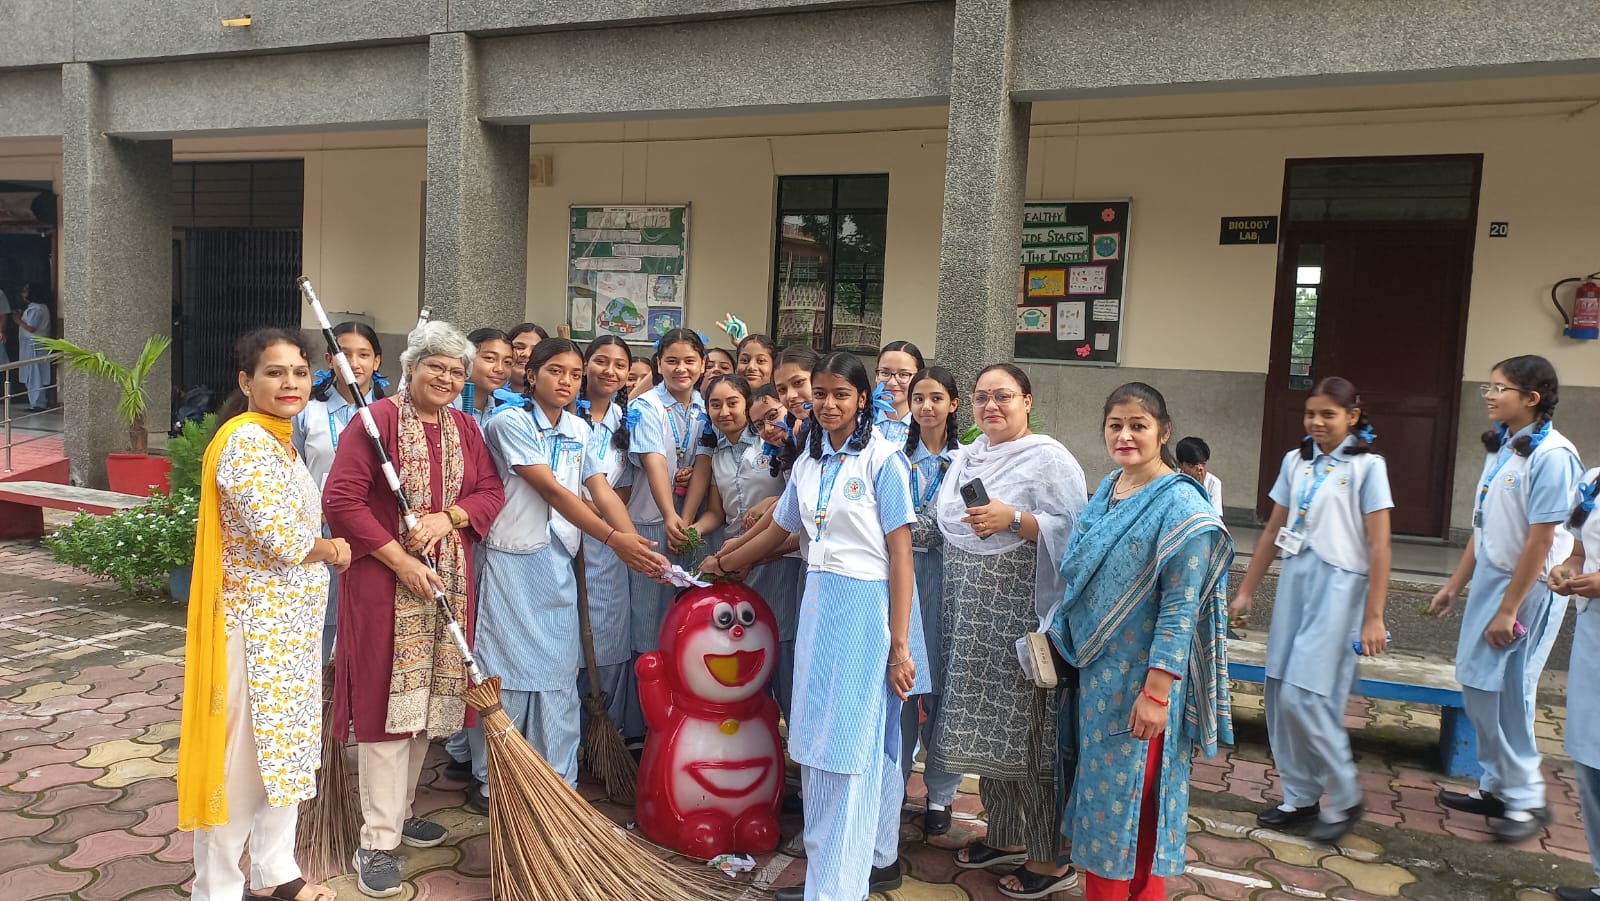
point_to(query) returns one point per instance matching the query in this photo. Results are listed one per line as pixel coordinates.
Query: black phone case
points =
(973, 494)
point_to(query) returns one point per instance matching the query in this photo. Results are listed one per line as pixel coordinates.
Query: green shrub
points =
(137, 548)
(1035, 424)
(187, 449)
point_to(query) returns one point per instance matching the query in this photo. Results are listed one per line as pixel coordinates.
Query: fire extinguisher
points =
(1584, 322)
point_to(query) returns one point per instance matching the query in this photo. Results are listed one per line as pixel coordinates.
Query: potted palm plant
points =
(135, 472)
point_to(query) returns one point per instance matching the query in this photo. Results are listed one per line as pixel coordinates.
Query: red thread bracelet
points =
(1161, 701)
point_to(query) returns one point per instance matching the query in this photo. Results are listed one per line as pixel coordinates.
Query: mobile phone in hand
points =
(973, 494)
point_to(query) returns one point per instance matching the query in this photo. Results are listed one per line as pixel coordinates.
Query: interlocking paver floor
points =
(90, 685)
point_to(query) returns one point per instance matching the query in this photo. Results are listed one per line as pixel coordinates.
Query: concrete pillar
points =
(985, 169)
(116, 253)
(475, 257)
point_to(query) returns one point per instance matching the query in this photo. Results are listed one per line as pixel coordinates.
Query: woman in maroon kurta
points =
(397, 676)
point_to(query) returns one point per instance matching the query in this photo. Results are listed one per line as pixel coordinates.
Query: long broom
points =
(546, 843)
(603, 748)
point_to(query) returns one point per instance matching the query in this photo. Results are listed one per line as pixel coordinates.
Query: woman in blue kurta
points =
(528, 615)
(602, 404)
(1335, 580)
(1512, 617)
(858, 652)
(1579, 577)
(1143, 619)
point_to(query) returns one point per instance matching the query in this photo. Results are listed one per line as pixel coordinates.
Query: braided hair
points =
(849, 367)
(323, 390)
(947, 381)
(1341, 392)
(1528, 374)
(622, 437)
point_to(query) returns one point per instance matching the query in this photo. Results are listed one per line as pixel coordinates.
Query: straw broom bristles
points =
(604, 751)
(546, 843)
(326, 839)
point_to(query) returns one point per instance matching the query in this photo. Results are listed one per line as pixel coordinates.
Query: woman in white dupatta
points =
(1000, 576)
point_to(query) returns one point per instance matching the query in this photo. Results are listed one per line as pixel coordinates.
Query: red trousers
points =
(1143, 886)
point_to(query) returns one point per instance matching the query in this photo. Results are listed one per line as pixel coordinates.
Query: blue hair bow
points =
(320, 379)
(505, 395)
(882, 402)
(380, 380)
(1588, 491)
(634, 414)
(583, 406)
(1365, 433)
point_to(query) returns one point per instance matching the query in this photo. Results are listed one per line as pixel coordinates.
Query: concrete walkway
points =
(90, 684)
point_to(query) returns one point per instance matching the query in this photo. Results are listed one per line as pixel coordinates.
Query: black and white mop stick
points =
(341, 364)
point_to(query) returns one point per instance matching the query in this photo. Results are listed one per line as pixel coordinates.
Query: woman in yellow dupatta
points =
(252, 705)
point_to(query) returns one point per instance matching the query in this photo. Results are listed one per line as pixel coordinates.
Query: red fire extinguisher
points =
(1584, 323)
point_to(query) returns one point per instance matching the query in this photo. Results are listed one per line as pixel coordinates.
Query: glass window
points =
(1423, 188)
(828, 286)
(1303, 331)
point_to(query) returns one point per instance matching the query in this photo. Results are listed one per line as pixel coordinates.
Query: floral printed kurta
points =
(271, 516)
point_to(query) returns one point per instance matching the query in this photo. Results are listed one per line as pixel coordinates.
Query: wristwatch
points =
(1016, 521)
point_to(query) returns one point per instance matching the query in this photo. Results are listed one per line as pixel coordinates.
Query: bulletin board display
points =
(627, 271)
(1073, 289)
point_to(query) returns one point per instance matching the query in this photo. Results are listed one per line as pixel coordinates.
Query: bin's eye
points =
(747, 613)
(722, 615)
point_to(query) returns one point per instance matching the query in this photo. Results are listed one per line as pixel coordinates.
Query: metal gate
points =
(234, 280)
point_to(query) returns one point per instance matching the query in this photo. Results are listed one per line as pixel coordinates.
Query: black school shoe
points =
(1275, 817)
(1488, 806)
(1574, 893)
(1328, 833)
(1512, 831)
(881, 880)
(936, 822)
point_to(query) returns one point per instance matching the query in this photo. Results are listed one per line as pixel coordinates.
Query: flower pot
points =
(137, 473)
(178, 583)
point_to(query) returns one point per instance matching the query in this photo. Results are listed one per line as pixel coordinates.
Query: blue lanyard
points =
(920, 499)
(1483, 490)
(1311, 492)
(830, 475)
(681, 439)
(333, 432)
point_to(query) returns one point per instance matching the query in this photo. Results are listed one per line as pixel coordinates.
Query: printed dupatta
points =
(1113, 567)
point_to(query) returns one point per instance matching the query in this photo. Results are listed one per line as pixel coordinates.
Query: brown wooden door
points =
(1383, 305)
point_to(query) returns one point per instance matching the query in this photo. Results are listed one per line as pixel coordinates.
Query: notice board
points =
(1074, 281)
(627, 269)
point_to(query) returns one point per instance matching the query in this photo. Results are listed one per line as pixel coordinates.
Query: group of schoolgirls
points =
(1532, 546)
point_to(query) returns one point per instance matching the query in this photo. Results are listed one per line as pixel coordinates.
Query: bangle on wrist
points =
(1162, 701)
(609, 536)
(902, 661)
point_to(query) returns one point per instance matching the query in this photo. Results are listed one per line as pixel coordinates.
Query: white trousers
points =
(388, 779)
(268, 830)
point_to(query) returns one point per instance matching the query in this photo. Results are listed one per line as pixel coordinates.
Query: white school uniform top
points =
(1583, 707)
(612, 462)
(1522, 491)
(517, 437)
(317, 429)
(1335, 525)
(1214, 491)
(662, 426)
(744, 478)
(849, 542)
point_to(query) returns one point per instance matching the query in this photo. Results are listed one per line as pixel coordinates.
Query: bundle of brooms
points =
(604, 751)
(330, 821)
(546, 843)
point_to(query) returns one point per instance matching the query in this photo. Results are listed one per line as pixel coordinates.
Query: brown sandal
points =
(290, 891)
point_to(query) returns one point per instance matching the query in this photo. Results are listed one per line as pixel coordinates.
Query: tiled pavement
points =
(89, 706)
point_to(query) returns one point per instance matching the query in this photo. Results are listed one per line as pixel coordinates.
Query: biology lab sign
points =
(1249, 230)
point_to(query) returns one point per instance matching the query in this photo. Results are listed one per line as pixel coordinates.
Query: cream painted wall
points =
(726, 170)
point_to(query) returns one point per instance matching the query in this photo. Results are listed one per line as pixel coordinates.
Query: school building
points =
(1225, 198)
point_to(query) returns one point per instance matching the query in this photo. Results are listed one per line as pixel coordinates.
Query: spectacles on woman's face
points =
(1498, 388)
(888, 375)
(437, 369)
(998, 398)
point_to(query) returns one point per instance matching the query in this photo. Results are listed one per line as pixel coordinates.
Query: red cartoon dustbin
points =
(712, 771)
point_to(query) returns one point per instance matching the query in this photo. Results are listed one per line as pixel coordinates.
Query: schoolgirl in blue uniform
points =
(1579, 577)
(1512, 616)
(1330, 523)
(741, 478)
(665, 422)
(929, 443)
(858, 649)
(491, 366)
(602, 403)
(898, 363)
(527, 629)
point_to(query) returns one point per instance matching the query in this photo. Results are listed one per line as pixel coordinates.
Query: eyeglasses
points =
(435, 369)
(885, 375)
(1000, 398)
(1498, 389)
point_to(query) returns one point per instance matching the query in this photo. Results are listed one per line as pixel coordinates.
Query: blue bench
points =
(1395, 679)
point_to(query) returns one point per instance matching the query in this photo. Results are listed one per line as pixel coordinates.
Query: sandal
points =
(981, 857)
(290, 891)
(1039, 885)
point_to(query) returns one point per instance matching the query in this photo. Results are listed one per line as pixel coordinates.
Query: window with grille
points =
(828, 267)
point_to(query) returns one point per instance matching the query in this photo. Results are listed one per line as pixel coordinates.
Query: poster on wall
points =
(1075, 251)
(627, 271)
